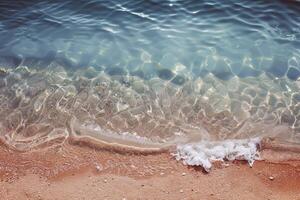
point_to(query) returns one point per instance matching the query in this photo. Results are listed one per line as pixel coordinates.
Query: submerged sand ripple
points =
(41, 105)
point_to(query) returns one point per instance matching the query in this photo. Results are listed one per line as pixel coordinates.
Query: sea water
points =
(151, 73)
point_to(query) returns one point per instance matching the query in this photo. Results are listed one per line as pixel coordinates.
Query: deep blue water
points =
(219, 69)
(250, 37)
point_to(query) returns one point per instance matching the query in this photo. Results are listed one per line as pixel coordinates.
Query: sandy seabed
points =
(81, 172)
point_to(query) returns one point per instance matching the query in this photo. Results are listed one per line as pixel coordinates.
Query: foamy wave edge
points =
(204, 153)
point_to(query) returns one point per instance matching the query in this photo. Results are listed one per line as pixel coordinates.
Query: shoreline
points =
(81, 172)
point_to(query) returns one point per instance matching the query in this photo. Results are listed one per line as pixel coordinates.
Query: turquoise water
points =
(148, 71)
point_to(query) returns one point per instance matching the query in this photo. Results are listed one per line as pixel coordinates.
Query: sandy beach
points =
(149, 100)
(80, 172)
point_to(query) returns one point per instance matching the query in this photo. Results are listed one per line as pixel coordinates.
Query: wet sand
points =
(81, 172)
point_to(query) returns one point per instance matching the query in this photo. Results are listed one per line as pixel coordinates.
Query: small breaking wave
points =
(204, 153)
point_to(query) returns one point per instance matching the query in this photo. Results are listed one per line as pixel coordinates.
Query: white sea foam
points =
(205, 152)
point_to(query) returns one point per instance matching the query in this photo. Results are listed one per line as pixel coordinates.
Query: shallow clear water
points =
(149, 71)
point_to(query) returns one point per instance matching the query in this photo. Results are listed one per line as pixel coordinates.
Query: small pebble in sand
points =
(271, 178)
(105, 181)
(162, 173)
(225, 164)
(133, 166)
(183, 174)
(98, 168)
(181, 191)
